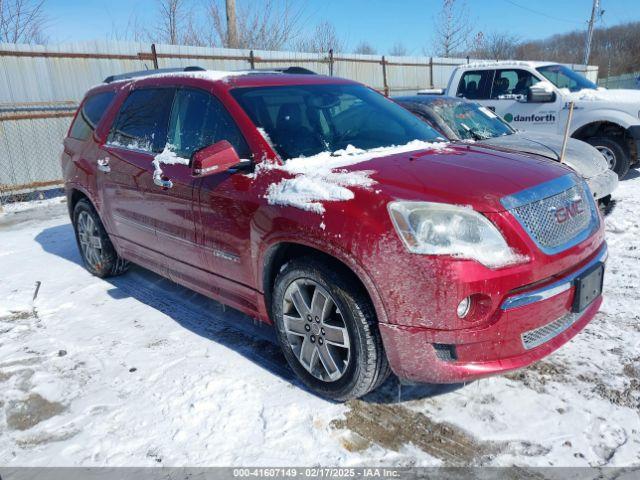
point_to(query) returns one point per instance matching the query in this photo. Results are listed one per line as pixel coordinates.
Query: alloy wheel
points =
(316, 330)
(608, 155)
(89, 239)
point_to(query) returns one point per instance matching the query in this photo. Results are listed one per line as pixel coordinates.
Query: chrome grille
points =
(538, 336)
(555, 216)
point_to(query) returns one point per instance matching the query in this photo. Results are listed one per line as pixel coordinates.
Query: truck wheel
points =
(614, 153)
(97, 251)
(328, 330)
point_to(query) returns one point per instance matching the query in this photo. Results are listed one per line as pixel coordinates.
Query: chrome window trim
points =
(546, 190)
(131, 149)
(552, 289)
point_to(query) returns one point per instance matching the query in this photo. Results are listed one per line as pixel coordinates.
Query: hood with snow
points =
(627, 101)
(455, 174)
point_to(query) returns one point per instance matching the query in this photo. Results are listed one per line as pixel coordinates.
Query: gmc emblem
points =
(572, 210)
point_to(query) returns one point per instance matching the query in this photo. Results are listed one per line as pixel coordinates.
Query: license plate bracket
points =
(588, 287)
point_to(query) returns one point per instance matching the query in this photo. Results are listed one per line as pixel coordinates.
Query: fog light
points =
(464, 307)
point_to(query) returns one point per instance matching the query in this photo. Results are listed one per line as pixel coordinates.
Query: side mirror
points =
(216, 158)
(540, 94)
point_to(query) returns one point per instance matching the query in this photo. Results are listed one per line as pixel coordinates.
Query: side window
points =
(142, 121)
(198, 120)
(90, 114)
(512, 83)
(475, 85)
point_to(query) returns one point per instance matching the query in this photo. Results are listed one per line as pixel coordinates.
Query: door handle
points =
(165, 183)
(103, 165)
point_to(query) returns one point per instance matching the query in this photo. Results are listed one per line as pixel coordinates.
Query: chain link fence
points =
(628, 80)
(30, 145)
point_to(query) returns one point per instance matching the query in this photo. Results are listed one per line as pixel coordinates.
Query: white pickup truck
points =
(535, 96)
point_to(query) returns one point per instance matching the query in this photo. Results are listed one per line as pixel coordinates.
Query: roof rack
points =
(145, 73)
(289, 70)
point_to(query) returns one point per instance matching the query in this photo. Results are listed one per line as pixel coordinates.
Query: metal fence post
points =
(431, 72)
(384, 76)
(331, 62)
(154, 56)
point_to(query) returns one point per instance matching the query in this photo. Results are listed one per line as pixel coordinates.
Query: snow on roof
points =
(503, 63)
(212, 75)
(322, 177)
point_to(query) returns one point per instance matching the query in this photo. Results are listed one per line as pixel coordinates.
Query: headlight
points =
(441, 229)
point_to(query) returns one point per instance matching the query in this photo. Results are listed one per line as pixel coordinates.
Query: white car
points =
(535, 96)
(463, 120)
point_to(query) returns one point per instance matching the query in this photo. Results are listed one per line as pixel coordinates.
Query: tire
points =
(614, 152)
(97, 252)
(364, 364)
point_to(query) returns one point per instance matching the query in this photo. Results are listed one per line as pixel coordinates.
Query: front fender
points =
(309, 233)
(618, 117)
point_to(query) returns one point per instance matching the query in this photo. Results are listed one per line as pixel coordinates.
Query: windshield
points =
(304, 120)
(564, 77)
(470, 121)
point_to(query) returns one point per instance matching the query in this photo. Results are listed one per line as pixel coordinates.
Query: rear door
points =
(475, 85)
(78, 145)
(137, 135)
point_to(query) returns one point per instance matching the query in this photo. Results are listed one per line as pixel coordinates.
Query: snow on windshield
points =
(323, 178)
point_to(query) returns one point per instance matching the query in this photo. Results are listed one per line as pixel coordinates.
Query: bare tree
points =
(497, 46)
(173, 16)
(324, 38)
(22, 21)
(398, 50)
(268, 27)
(133, 30)
(614, 49)
(365, 48)
(453, 29)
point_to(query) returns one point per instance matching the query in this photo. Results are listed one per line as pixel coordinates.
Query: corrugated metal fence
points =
(40, 86)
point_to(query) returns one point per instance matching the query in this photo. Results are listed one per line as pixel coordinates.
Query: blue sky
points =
(380, 22)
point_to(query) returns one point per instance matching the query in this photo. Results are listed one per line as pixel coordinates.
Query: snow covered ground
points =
(138, 371)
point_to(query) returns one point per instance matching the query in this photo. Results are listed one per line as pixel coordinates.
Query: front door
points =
(508, 98)
(198, 120)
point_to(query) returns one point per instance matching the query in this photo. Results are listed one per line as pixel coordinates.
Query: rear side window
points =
(507, 83)
(90, 114)
(143, 119)
(198, 120)
(475, 85)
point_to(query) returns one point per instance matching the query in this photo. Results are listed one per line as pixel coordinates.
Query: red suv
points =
(318, 205)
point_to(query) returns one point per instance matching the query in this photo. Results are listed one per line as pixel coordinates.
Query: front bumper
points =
(603, 184)
(541, 312)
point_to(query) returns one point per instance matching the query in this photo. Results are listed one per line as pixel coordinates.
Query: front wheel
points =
(328, 330)
(614, 152)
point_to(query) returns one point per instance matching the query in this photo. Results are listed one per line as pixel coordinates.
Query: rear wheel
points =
(328, 331)
(96, 249)
(614, 152)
